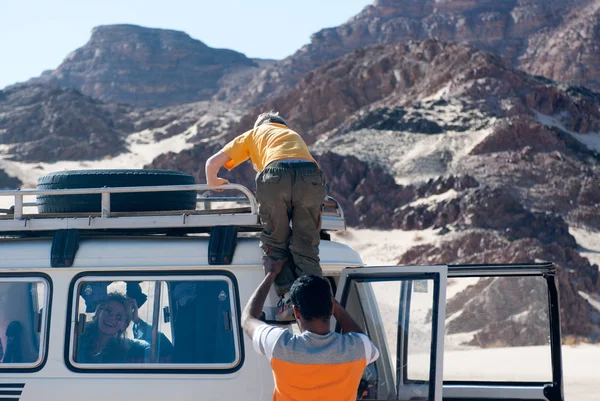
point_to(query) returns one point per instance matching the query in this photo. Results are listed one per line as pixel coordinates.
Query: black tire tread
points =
(129, 202)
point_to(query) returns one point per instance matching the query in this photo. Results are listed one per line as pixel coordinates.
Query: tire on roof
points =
(125, 202)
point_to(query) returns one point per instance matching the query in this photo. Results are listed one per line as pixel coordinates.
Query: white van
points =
(192, 271)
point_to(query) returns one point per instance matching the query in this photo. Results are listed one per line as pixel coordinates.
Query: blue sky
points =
(37, 35)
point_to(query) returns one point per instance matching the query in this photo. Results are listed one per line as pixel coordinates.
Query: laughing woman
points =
(104, 341)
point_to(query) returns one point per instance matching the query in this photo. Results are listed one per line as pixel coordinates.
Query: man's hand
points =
(273, 266)
(337, 308)
(252, 311)
(346, 322)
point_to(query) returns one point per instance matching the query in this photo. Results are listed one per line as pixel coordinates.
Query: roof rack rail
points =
(15, 220)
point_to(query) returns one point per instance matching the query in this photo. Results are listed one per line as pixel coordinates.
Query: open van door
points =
(402, 310)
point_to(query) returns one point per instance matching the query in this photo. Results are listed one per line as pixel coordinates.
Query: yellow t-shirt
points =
(265, 144)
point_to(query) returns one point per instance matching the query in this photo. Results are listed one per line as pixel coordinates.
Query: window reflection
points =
(22, 305)
(170, 322)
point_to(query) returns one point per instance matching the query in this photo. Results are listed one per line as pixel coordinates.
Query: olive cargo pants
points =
(291, 191)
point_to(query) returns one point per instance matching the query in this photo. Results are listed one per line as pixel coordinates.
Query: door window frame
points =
(439, 275)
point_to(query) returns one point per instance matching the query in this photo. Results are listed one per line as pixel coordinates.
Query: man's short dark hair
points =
(312, 296)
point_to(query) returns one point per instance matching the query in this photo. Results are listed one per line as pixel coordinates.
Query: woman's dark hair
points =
(312, 296)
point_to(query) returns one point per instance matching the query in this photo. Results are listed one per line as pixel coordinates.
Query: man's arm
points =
(143, 329)
(212, 167)
(252, 311)
(346, 322)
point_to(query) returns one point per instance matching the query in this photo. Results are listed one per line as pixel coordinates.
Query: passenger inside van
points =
(143, 330)
(103, 339)
(13, 353)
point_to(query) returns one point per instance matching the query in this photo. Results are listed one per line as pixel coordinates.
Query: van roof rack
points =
(15, 220)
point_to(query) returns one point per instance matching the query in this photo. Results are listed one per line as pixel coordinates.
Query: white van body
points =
(30, 258)
(59, 311)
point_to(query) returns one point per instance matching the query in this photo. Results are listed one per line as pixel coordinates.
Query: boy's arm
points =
(346, 322)
(252, 311)
(212, 167)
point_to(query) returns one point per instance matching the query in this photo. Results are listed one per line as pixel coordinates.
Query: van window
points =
(23, 310)
(492, 322)
(150, 322)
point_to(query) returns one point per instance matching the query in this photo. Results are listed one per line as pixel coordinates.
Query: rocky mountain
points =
(570, 51)
(558, 39)
(8, 182)
(45, 123)
(147, 67)
(435, 135)
(442, 135)
(45, 128)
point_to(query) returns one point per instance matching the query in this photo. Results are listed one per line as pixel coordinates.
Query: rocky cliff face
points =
(575, 274)
(155, 68)
(425, 75)
(146, 67)
(569, 52)
(44, 123)
(434, 135)
(8, 182)
(412, 135)
(557, 39)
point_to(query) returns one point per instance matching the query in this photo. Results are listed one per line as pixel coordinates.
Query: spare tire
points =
(126, 202)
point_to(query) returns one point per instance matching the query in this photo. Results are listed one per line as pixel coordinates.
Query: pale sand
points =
(378, 247)
(142, 151)
(591, 139)
(589, 243)
(580, 367)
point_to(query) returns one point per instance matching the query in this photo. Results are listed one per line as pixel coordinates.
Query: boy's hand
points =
(273, 266)
(212, 167)
(216, 181)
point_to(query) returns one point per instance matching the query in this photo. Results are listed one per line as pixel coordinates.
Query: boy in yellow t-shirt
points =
(290, 186)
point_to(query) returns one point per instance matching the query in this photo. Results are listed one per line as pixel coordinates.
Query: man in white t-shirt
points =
(316, 364)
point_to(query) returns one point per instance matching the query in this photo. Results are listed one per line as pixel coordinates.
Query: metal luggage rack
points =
(16, 221)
